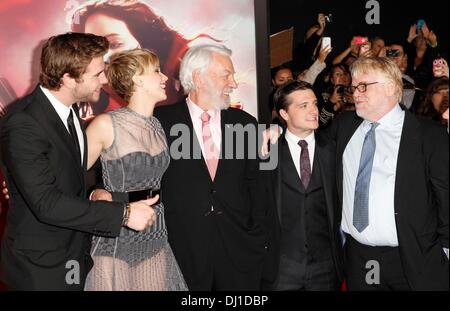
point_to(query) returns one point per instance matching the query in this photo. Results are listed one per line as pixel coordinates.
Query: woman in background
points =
(436, 100)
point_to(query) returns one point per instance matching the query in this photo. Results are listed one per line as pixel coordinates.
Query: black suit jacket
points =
(49, 222)
(325, 155)
(188, 194)
(421, 196)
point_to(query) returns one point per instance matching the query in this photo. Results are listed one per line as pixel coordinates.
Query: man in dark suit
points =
(214, 203)
(392, 173)
(43, 157)
(307, 246)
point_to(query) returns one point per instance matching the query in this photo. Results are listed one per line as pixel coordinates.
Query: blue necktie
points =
(361, 203)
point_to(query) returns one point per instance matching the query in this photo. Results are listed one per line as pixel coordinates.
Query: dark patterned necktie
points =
(305, 164)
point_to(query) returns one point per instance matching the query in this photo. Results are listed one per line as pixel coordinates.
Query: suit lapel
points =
(276, 184)
(409, 144)
(56, 128)
(286, 174)
(347, 132)
(85, 156)
(326, 160)
(289, 175)
(186, 119)
(83, 126)
(223, 122)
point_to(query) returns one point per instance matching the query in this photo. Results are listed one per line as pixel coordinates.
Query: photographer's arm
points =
(338, 59)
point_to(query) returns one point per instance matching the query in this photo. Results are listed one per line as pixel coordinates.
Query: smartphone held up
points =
(326, 42)
(360, 40)
(420, 24)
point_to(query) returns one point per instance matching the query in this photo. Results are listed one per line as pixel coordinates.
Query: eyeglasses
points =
(362, 87)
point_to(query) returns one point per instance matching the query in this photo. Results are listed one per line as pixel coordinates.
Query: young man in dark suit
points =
(43, 157)
(306, 247)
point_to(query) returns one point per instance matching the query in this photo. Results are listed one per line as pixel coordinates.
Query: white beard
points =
(218, 102)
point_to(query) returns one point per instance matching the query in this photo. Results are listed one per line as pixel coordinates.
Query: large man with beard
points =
(213, 200)
(44, 154)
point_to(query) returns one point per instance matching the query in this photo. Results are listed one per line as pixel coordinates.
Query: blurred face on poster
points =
(116, 31)
(128, 25)
(167, 28)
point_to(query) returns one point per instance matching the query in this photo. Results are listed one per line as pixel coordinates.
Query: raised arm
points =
(340, 58)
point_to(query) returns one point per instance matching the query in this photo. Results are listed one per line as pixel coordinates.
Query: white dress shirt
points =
(214, 123)
(382, 230)
(296, 150)
(63, 112)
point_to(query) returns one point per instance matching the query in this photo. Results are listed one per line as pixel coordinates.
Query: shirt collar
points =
(392, 119)
(196, 112)
(310, 139)
(408, 78)
(62, 110)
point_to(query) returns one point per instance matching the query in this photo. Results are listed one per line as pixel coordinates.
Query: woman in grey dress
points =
(133, 151)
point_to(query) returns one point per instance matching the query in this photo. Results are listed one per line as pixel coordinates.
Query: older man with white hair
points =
(214, 202)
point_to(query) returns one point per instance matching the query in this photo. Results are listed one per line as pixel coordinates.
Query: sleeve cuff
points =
(92, 194)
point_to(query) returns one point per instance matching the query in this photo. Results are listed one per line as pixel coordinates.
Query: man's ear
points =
(283, 114)
(68, 81)
(390, 89)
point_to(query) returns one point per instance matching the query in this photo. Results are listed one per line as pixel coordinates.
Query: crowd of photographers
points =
(419, 57)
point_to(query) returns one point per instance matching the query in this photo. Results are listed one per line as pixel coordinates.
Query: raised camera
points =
(392, 53)
(340, 88)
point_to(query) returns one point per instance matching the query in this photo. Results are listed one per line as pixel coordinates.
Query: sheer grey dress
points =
(136, 160)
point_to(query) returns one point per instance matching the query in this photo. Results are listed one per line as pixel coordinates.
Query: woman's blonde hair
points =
(124, 66)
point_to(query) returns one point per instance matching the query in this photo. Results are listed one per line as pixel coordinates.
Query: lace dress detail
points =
(136, 160)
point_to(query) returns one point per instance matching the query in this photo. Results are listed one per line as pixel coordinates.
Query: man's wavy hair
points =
(69, 53)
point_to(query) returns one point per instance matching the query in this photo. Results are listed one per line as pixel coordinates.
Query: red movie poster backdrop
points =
(167, 26)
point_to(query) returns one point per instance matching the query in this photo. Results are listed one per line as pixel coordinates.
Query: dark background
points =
(349, 18)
